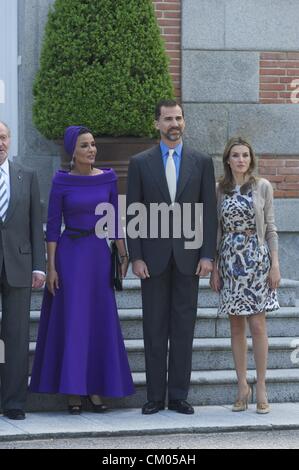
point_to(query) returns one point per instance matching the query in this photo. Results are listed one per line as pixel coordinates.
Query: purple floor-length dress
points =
(80, 348)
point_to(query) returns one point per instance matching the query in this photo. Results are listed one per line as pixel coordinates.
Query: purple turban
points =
(70, 138)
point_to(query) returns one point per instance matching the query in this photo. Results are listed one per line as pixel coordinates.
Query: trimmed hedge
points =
(102, 64)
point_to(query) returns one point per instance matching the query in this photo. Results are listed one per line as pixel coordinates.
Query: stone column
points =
(34, 150)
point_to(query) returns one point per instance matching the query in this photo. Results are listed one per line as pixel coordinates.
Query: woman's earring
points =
(72, 163)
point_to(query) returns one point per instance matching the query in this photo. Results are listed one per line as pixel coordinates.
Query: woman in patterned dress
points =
(246, 272)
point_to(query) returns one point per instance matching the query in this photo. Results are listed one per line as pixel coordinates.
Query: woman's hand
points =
(52, 281)
(274, 277)
(215, 280)
(123, 268)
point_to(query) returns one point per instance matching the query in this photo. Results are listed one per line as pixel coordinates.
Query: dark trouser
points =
(169, 313)
(15, 335)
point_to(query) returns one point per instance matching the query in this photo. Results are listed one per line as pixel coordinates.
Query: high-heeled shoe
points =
(101, 408)
(263, 408)
(242, 405)
(74, 408)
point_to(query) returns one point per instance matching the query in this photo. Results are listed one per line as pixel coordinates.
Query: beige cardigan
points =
(262, 193)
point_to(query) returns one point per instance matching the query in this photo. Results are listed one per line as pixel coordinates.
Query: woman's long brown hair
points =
(226, 182)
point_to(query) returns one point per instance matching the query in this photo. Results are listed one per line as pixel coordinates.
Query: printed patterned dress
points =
(243, 264)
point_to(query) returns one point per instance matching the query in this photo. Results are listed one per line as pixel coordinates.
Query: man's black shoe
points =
(152, 407)
(14, 414)
(181, 406)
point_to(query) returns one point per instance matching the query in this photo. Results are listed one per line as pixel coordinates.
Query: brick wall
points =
(283, 172)
(277, 72)
(169, 19)
(279, 82)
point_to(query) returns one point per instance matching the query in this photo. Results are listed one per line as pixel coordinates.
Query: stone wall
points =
(238, 58)
(34, 150)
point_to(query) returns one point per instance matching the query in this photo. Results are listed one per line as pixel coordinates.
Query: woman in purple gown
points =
(80, 349)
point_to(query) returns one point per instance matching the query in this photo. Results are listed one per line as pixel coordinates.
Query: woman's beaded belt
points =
(247, 232)
(81, 232)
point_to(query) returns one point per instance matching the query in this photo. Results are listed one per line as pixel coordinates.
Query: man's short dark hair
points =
(166, 104)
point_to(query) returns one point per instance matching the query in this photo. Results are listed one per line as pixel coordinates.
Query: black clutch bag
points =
(115, 262)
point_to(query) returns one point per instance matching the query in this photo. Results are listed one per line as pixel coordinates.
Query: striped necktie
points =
(3, 196)
(171, 175)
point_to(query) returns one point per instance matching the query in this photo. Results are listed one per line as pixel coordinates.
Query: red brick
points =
(176, 31)
(293, 73)
(169, 22)
(266, 79)
(286, 79)
(291, 178)
(173, 38)
(276, 178)
(275, 163)
(292, 163)
(279, 63)
(167, 6)
(283, 94)
(291, 194)
(286, 186)
(175, 62)
(280, 193)
(174, 54)
(293, 55)
(175, 70)
(272, 86)
(273, 55)
(267, 170)
(288, 171)
(272, 71)
(171, 47)
(268, 156)
(268, 94)
(174, 14)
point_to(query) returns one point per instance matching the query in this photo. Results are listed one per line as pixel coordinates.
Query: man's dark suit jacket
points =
(22, 243)
(147, 184)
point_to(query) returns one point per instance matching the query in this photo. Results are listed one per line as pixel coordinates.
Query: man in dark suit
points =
(22, 266)
(170, 173)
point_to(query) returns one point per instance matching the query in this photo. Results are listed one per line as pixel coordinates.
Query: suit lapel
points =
(16, 181)
(155, 164)
(186, 169)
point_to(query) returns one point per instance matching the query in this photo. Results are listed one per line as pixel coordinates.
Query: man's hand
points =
(140, 269)
(204, 267)
(38, 280)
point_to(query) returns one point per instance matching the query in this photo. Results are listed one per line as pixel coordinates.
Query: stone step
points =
(215, 354)
(207, 388)
(284, 322)
(130, 297)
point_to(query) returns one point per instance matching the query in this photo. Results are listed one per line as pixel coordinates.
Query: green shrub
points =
(102, 64)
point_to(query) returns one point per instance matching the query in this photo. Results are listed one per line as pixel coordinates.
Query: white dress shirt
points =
(5, 174)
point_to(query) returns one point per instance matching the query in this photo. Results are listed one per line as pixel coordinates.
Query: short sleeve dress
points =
(80, 348)
(243, 264)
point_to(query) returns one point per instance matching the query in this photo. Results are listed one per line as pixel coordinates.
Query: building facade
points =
(235, 67)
